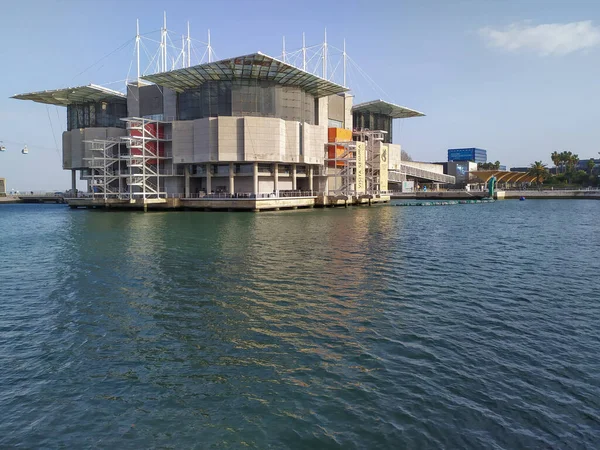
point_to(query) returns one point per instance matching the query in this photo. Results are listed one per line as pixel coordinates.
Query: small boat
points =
(521, 199)
(25, 150)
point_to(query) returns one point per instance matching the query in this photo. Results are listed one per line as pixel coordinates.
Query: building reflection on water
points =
(289, 297)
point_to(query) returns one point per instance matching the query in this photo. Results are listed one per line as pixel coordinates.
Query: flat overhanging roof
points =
(256, 66)
(386, 108)
(504, 176)
(68, 96)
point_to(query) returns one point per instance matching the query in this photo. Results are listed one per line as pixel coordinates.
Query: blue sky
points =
(516, 78)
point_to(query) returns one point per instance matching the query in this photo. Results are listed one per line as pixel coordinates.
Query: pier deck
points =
(226, 204)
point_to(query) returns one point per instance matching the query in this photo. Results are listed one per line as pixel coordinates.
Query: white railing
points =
(245, 195)
(426, 174)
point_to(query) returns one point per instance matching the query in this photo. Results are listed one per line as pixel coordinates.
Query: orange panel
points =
(339, 135)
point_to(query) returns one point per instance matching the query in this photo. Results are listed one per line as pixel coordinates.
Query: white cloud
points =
(545, 39)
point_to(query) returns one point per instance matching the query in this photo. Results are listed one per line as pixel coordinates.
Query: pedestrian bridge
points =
(418, 170)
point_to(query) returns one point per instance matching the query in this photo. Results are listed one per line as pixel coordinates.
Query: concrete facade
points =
(247, 139)
(74, 148)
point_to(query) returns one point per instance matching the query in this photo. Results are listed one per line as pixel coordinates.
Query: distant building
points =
(2, 187)
(477, 155)
(460, 170)
(502, 167)
(519, 169)
(583, 164)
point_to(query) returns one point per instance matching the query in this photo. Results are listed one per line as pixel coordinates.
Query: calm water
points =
(467, 326)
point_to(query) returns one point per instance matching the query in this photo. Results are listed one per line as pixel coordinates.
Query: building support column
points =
(293, 177)
(231, 179)
(74, 182)
(208, 179)
(276, 179)
(186, 188)
(310, 178)
(255, 177)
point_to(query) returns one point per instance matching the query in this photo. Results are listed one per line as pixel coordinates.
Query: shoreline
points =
(508, 195)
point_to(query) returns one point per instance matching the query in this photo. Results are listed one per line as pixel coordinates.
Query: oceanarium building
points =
(245, 127)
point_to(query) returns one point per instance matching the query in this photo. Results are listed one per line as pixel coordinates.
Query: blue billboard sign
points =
(461, 154)
(467, 154)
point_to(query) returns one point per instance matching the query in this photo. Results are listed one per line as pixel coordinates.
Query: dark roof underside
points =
(256, 66)
(386, 108)
(68, 96)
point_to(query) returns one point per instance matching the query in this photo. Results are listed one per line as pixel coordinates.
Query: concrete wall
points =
(205, 140)
(183, 141)
(133, 100)
(150, 100)
(395, 156)
(244, 184)
(169, 103)
(239, 139)
(230, 138)
(291, 151)
(74, 147)
(264, 138)
(174, 185)
(266, 185)
(314, 140)
(67, 156)
(348, 111)
(336, 110)
(437, 168)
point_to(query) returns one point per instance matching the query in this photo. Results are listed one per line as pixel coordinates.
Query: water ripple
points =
(463, 327)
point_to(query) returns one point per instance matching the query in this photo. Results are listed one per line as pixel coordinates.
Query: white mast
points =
(325, 56)
(137, 50)
(344, 63)
(189, 53)
(209, 48)
(283, 53)
(183, 51)
(163, 44)
(303, 52)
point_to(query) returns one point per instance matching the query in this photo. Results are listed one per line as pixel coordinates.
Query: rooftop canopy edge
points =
(386, 108)
(68, 96)
(257, 66)
(503, 176)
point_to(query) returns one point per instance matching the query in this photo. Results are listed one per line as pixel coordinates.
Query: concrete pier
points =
(224, 204)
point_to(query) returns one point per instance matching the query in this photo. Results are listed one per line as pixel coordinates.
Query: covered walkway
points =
(503, 176)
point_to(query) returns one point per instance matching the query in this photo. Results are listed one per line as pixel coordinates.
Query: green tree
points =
(556, 159)
(539, 170)
(572, 161)
(590, 165)
(566, 159)
(497, 165)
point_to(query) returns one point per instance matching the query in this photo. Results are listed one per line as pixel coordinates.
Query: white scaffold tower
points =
(340, 167)
(373, 140)
(105, 172)
(341, 164)
(146, 158)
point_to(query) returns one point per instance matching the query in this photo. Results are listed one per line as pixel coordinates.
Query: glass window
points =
(245, 97)
(100, 114)
(243, 168)
(264, 168)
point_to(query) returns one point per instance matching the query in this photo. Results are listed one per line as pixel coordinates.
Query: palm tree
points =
(556, 159)
(572, 161)
(539, 170)
(590, 165)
